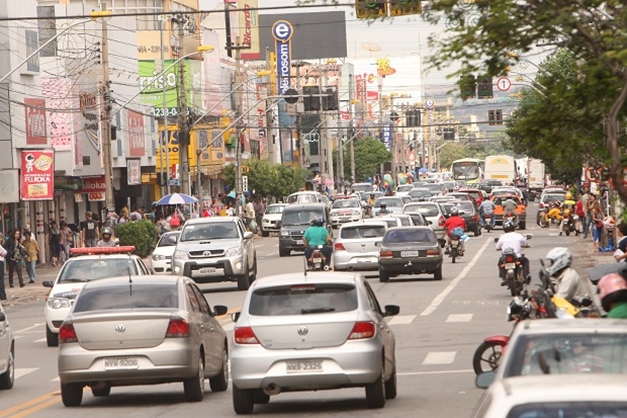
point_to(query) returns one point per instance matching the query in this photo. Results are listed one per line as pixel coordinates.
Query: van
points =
(361, 187)
(304, 197)
(295, 220)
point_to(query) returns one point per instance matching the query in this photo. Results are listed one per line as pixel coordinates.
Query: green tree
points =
(140, 234)
(370, 153)
(269, 179)
(488, 37)
(452, 151)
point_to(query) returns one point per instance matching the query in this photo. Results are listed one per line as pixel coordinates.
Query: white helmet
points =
(559, 258)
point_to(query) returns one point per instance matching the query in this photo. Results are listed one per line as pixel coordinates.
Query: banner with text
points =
(37, 175)
(35, 113)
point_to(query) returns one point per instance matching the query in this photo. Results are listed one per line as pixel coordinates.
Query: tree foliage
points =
(140, 234)
(370, 153)
(268, 179)
(490, 36)
(452, 151)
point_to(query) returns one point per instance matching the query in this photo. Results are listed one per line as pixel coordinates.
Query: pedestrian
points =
(137, 214)
(32, 255)
(260, 209)
(90, 230)
(597, 222)
(54, 242)
(249, 213)
(67, 239)
(586, 211)
(15, 256)
(3, 253)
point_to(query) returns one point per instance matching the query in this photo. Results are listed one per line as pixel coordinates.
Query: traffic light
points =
(492, 117)
(311, 101)
(448, 134)
(485, 88)
(371, 9)
(468, 87)
(412, 117)
(498, 115)
(330, 101)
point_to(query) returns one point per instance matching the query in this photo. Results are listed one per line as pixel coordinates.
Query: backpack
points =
(175, 221)
(457, 232)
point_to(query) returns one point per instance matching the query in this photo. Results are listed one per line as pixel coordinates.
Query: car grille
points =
(296, 235)
(206, 253)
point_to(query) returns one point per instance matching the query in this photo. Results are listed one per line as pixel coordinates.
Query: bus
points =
(500, 167)
(469, 170)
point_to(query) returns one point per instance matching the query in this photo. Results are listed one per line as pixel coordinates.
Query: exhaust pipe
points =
(272, 389)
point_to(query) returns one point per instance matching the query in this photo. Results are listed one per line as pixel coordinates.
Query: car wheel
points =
(243, 400)
(52, 338)
(220, 383)
(243, 281)
(265, 234)
(438, 274)
(72, 394)
(261, 397)
(375, 393)
(254, 275)
(101, 391)
(7, 379)
(390, 386)
(283, 253)
(194, 387)
(383, 276)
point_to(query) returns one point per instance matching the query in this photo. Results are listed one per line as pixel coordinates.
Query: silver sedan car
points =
(309, 332)
(139, 331)
(357, 246)
(7, 353)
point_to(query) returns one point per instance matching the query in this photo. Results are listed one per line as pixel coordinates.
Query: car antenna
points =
(130, 281)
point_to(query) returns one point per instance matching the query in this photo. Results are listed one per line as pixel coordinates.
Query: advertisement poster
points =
(133, 172)
(37, 175)
(35, 114)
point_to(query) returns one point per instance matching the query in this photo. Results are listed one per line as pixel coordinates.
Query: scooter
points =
(488, 221)
(318, 260)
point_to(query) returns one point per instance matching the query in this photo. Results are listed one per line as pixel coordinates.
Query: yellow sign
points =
(200, 138)
(245, 169)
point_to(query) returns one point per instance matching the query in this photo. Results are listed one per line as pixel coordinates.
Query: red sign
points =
(37, 175)
(35, 113)
(136, 139)
(96, 197)
(345, 115)
(93, 184)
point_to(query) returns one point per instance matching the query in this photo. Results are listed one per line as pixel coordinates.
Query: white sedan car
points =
(7, 353)
(272, 218)
(161, 259)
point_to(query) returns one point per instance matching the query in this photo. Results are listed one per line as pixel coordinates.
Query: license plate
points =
(367, 260)
(207, 270)
(304, 366)
(121, 363)
(510, 265)
(409, 253)
(454, 243)
(299, 242)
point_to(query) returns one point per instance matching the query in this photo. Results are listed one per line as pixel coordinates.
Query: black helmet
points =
(317, 221)
(383, 206)
(509, 226)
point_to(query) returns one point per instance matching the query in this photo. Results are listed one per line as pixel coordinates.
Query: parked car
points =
(433, 214)
(126, 331)
(345, 210)
(419, 194)
(409, 250)
(271, 220)
(469, 212)
(97, 263)
(394, 204)
(323, 330)
(357, 246)
(403, 189)
(295, 220)
(7, 352)
(161, 258)
(216, 249)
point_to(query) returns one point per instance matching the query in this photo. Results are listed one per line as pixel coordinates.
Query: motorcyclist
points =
(554, 212)
(509, 206)
(515, 241)
(487, 206)
(315, 236)
(454, 221)
(371, 199)
(568, 284)
(106, 240)
(613, 294)
(383, 210)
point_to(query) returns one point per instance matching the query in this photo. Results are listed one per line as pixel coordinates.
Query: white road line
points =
(20, 372)
(41, 340)
(459, 318)
(29, 328)
(435, 372)
(440, 298)
(402, 320)
(440, 357)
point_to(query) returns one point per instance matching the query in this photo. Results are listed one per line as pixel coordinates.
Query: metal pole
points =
(166, 131)
(269, 117)
(352, 125)
(327, 139)
(227, 28)
(106, 121)
(238, 109)
(182, 115)
(340, 152)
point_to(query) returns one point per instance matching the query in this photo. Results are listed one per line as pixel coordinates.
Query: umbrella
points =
(176, 199)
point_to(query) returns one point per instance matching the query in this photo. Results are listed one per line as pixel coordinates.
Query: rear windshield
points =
(303, 299)
(592, 409)
(77, 270)
(417, 219)
(433, 187)
(303, 198)
(362, 231)
(404, 188)
(465, 206)
(553, 198)
(425, 210)
(212, 231)
(409, 235)
(301, 217)
(127, 296)
(365, 187)
(346, 203)
(418, 193)
(391, 203)
(275, 209)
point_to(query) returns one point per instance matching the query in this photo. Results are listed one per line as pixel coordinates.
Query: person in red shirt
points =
(454, 221)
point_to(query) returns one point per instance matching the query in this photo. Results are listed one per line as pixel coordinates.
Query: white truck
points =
(535, 176)
(500, 167)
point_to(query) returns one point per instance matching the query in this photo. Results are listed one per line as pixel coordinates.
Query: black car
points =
(468, 211)
(409, 250)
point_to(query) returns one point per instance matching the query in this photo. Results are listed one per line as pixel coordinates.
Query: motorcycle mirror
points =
(528, 236)
(484, 380)
(495, 239)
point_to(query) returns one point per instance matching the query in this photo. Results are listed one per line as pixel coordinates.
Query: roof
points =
(212, 219)
(157, 279)
(295, 207)
(320, 277)
(587, 325)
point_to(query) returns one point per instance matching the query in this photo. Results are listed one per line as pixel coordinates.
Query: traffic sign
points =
(245, 169)
(291, 96)
(394, 116)
(503, 84)
(429, 103)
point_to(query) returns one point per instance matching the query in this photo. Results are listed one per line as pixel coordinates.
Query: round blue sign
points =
(282, 30)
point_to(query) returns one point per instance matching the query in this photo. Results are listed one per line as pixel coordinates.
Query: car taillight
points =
(245, 335)
(509, 259)
(177, 328)
(441, 221)
(67, 334)
(385, 254)
(339, 247)
(362, 330)
(435, 251)
(541, 205)
(475, 218)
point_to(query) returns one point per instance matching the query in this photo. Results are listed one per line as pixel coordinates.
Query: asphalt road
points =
(437, 332)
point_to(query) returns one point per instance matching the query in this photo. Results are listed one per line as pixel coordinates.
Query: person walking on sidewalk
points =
(15, 255)
(90, 231)
(32, 251)
(54, 241)
(3, 253)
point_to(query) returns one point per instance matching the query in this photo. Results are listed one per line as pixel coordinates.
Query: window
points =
(425, 210)
(593, 409)
(409, 235)
(202, 302)
(193, 300)
(346, 203)
(127, 296)
(208, 231)
(372, 299)
(360, 232)
(303, 299)
(92, 269)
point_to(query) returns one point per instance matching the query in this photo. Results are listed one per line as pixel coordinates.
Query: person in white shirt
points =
(568, 284)
(516, 242)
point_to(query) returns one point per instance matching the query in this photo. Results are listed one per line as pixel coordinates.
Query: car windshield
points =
(164, 241)
(127, 296)
(274, 209)
(85, 270)
(362, 231)
(303, 299)
(361, 187)
(209, 231)
(302, 198)
(391, 203)
(587, 409)
(404, 188)
(433, 187)
(425, 210)
(465, 206)
(346, 203)
(302, 217)
(560, 353)
(399, 235)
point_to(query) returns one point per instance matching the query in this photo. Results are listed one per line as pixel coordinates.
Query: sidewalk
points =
(32, 292)
(586, 256)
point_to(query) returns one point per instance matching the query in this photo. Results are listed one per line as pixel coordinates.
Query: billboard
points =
(249, 29)
(136, 138)
(199, 137)
(316, 35)
(35, 114)
(37, 175)
(58, 115)
(282, 32)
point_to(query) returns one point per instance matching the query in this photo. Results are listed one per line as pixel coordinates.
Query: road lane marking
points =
(41, 340)
(435, 372)
(37, 408)
(24, 406)
(439, 357)
(459, 318)
(440, 298)
(20, 371)
(29, 328)
(402, 320)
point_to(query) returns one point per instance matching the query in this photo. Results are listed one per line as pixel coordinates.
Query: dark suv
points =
(295, 220)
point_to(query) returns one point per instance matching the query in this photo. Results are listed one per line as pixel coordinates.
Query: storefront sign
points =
(282, 31)
(133, 172)
(35, 113)
(136, 138)
(96, 197)
(37, 175)
(249, 23)
(93, 184)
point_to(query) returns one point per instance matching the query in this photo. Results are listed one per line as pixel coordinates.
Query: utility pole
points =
(352, 115)
(166, 131)
(238, 113)
(105, 120)
(340, 153)
(327, 142)
(269, 116)
(182, 111)
(393, 144)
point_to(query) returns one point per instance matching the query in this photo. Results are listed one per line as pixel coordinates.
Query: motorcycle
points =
(455, 245)
(318, 260)
(512, 265)
(569, 223)
(488, 221)
(550, 217)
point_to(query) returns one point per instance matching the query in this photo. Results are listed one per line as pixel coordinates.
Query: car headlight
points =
(285, 233)
(59, 303)
(158, 257)
(234, 251)
(356, 212)
(180, 255)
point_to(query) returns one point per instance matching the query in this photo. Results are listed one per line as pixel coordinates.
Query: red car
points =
(476, 194)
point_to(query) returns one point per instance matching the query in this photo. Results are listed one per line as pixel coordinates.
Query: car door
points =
(4, 342)
(198, 321)
(214, 340)
(247, 245)
(388, 340)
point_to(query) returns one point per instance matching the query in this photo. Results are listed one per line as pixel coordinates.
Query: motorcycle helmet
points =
(509, 226)
(106, 231)
(317, 221)
(454, 211)
(612, 289)
(383, 206)
(558, 259)
(568, 196)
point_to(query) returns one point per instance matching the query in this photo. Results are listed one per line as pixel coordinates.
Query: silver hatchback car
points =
(357, 246)
(140, 331)
(309, 332)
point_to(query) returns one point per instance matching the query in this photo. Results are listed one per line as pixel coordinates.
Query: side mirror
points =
(172, 240)
(528, 236)
(47, 283)
(485, 379)
(391, 310)
(3, 317)
(278, 224)
(220, 310)
(235, 316)
(248, 235)
(496, 239)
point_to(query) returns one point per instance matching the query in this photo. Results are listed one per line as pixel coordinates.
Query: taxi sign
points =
(125, 249)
